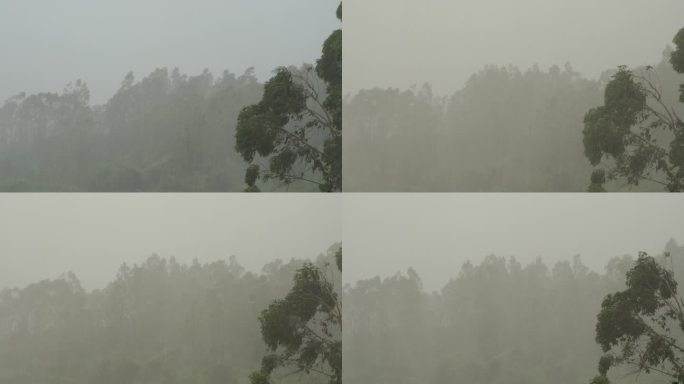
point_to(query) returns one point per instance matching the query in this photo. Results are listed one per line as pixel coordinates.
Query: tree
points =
(303, 330)
(598, 178)
(298, 123)
(166, 132)
(677, 59)
(47, 139)
(160, 321)
(635, 326)
(507, 129)
(496, 321)
(637, 129)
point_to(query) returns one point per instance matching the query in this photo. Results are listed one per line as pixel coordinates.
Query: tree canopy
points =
(159, 321)
(636, 326)
(495, 321)
(165, 132)
(506, 130)
(637, 129)
(173, 132)
(297, 125)
(677, 59)
(304, 330)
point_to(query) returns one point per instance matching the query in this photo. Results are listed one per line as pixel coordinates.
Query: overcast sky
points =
(45, 43)
(436, 233)
(45, 235)
(398, 43)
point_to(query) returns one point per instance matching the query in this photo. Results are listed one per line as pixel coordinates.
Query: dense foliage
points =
(639, 129)
(495, 322)
(166, 132)
(506, 130)
(157, 322)
(297, 124)
(677, 59)
(509, 130)
(303, 331)
(641, 327)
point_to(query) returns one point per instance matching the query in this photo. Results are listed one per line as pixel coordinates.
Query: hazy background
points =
(398, 43)
(46, 44)
(490, 96)
(436, 233)
(494, 320)
(45, 235)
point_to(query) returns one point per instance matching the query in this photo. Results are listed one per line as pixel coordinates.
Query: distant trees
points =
(173, 132)
(166, 132)
(303, 330)
(637, 129)
(391, 139)
(677, 59)
(297, 125)
(158, 322)
(387, 331)
(513, 130)
(636, 326)
(505, 130)
(497, 321)
(47, 139)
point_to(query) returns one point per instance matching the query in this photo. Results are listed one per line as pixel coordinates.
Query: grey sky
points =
(399, 43)
(436, 233)
(44, 235)
(45, 44)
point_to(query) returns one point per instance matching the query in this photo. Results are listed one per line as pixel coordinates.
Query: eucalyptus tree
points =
(297, 125)
(641, 326)
(637, 129)
(303, 330)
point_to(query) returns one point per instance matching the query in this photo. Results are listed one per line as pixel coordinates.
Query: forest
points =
(496, 321)
(170, 131)
(161, 321)
(511, 129)
(165, 132)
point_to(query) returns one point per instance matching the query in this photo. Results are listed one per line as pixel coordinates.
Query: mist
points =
(402, 43)
(162, 104)
(45, 236)
(482, 96)
(132, 288)
(46, 45)
(496, 288)
(435, 234)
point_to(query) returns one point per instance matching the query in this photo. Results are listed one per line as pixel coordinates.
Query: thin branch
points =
(326, 120)
(301, 140)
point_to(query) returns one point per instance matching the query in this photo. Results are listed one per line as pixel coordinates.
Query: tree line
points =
(494, 322)
(165, 132)
(637, 135)
(159, 321)
(173, 132)
(509, 129)
(505, 130)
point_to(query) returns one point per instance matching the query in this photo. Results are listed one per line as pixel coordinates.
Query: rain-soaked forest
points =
(501, 321)
(170, 131)
(161, 321)
(165, 131)
(478, 97)
(507, 129)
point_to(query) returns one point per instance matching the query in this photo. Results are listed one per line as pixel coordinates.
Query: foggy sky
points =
(399, 43)
(46, 44)
(436, 233)
(45, 235)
